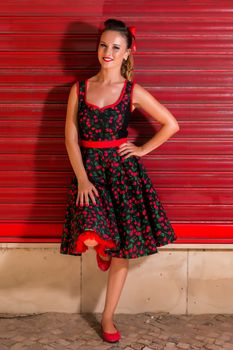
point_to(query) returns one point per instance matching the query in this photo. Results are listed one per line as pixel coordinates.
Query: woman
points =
(112, 205)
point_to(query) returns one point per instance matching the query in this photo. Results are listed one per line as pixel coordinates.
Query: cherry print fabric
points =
(128, 219)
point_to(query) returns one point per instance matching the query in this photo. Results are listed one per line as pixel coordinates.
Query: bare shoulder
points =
(141, 96)
(143, 99)
(73, 95)
(72, 105)
(74, 89)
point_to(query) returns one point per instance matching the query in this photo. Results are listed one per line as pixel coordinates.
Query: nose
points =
(108, 51)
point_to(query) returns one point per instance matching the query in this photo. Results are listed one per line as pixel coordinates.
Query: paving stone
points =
(4, 347)
(18, 338)
(170, 346)
(226, 337)
(17, 346)
(213, 347)
(137, 346)
(144, 331)
(183, 346)
(63, 342)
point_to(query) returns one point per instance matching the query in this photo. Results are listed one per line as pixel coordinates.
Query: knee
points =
(90, 242)
(120, 261)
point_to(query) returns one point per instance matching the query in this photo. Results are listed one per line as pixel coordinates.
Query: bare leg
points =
(92, 243)
(116, 278)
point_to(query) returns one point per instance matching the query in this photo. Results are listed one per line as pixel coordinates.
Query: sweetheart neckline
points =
(107, 106)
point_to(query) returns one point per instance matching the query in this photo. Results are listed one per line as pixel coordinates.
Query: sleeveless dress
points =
(128, 219)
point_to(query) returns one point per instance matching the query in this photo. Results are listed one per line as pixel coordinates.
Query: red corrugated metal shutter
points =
(184, 58)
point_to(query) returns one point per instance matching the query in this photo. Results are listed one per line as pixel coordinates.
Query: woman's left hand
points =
(130, 149)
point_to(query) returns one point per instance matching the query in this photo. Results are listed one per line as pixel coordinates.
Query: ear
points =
(127, 54)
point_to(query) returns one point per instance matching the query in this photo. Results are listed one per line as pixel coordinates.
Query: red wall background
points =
(184, 58)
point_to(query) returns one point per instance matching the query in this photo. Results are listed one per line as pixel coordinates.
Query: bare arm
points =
(71, 135)
(85, 187)
(143, 99)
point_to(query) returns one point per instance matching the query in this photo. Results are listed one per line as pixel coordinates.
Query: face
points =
(112, 45)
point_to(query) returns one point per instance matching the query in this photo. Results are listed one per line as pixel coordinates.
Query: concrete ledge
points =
(179, 279)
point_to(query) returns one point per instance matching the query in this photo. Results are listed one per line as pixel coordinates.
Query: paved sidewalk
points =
(145, 331)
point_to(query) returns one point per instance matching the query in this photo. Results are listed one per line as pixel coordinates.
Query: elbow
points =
(176, 127)
(173, 127)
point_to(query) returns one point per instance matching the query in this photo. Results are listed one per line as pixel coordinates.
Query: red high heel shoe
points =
(111, 337)
(103, 264)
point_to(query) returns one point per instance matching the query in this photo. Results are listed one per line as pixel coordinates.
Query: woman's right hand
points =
(85, 188)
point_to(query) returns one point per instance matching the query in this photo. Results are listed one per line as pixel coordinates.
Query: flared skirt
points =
(128, 219)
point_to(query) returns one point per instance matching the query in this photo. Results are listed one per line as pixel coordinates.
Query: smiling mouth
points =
(107, 59)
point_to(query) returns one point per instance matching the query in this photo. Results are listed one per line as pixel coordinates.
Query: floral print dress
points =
(128, 219)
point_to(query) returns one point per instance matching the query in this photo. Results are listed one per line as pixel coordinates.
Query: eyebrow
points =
(105, 42)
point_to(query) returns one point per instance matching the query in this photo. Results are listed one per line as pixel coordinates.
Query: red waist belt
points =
(102, 144)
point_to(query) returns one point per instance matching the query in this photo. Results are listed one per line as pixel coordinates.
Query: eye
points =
(115, 47)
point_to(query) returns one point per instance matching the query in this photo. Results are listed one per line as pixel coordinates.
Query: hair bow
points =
(132, 30)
